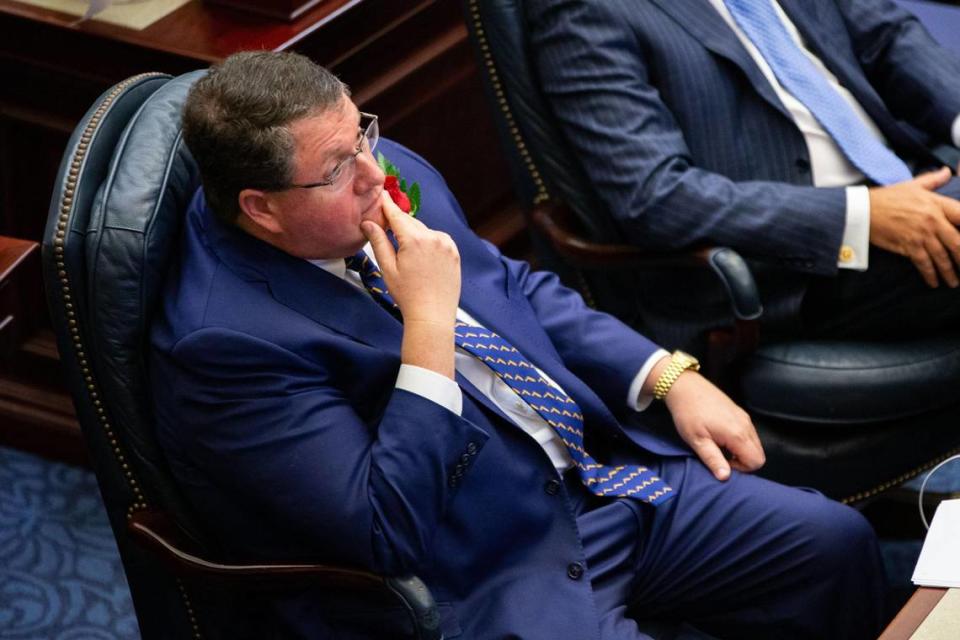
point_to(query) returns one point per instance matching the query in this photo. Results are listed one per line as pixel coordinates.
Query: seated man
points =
(432, 407)
(789, 131)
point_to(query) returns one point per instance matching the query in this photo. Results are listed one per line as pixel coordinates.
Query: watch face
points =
(687, 357)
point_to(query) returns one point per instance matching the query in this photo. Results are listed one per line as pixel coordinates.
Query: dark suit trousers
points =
(747, 558)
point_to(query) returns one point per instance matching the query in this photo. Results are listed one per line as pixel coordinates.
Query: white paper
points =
(133, 14)
(939, 562)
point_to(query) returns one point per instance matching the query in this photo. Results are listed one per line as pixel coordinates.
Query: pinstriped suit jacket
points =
(687, 142)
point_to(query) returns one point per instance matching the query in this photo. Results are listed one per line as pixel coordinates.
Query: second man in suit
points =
(796, 132)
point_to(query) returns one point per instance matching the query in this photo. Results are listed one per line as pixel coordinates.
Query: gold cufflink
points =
(846, 253)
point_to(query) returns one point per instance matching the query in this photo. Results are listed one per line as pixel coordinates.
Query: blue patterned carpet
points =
(61, 578)
(60, 574)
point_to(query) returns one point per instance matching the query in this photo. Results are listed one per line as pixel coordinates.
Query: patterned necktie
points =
(799, 76)
(553, 405)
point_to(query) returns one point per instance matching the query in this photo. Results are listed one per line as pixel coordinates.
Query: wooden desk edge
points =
(14, 251)
(916, 610)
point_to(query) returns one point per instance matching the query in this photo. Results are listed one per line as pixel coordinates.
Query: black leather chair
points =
(114, 220)
(849, 418)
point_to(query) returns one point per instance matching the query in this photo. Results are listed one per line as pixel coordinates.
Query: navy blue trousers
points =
(746, 558)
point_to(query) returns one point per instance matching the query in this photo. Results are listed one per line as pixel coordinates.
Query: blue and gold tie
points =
(553, 405)
(799, 76)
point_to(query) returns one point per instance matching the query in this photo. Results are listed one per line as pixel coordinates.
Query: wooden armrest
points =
(155, 531)
(557, 223)
(19, 292)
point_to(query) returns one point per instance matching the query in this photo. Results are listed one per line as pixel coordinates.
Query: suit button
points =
(574, 570)
(552, 487)
(465, 458)
(452, 482)
(472, 448)
(803, 165)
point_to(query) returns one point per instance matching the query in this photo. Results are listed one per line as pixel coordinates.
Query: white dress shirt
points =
(829, 165)
(445, 392)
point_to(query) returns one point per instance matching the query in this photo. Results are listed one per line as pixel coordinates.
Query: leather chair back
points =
(124, 183)
(537, 150)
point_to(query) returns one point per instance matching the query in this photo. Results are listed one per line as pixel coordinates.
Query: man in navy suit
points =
(328, 386)
(796, 132)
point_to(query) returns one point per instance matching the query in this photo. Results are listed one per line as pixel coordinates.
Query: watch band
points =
(679, 362)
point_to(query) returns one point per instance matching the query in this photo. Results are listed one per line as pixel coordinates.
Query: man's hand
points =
(710, 423)
(423, 277)
(423, 274)
(909, 219)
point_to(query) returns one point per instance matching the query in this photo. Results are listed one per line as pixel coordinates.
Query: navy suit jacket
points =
(275, 400)
(688, 144)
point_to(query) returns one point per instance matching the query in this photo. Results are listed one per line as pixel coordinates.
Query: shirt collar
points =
(338, 266)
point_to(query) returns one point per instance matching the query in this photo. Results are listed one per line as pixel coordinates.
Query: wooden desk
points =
(913, 614)
(19, 296)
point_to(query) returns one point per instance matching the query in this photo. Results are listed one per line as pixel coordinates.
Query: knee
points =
(840, 536)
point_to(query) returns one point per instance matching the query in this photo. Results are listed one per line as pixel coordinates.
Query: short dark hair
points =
(235, 121)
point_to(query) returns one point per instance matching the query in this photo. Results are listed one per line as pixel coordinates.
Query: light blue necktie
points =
(558, 409)
(798, 75)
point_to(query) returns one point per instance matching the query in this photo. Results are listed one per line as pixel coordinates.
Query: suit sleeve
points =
(918, 79)
(273, 426)
(594, 77)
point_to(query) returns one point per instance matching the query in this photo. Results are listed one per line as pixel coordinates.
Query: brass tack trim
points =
(890, 484)
(512, 127)
(66, 208)
(190, 614)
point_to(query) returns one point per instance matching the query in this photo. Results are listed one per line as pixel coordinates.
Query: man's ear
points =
(260, 210)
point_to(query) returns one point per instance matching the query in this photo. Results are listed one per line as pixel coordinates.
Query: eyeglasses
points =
(367, 137)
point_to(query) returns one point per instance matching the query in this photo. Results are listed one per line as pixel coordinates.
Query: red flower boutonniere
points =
(405, 196)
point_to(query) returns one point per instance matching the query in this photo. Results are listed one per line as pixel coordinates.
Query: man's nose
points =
(369, 173)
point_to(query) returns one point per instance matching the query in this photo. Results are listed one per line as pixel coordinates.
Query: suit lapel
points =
(705, 24)
(817, 23)
(702, 21)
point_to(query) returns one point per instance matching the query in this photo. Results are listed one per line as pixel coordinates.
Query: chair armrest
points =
(155, 531)
(556, 222)
(948, 155)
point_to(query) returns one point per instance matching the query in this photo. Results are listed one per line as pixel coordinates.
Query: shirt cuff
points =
(432, 386)
(635, 399)
(956, 132)
(855, 245)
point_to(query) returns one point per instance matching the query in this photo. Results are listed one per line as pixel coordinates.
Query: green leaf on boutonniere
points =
(414, 195)
(386, 166)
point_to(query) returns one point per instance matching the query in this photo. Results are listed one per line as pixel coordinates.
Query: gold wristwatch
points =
(679, 362)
